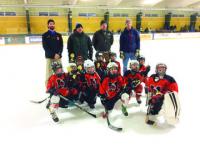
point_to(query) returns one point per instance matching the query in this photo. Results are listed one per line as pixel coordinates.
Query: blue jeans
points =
(127, 56)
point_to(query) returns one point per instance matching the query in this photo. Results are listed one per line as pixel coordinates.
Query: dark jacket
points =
(80, 45)
(52, 44)
(102, 40)
(129, 40)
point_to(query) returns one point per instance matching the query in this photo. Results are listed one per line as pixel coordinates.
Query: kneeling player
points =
(112, 88)
(163, 98)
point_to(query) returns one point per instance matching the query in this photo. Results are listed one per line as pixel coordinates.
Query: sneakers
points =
(54, 117)
(124, 110)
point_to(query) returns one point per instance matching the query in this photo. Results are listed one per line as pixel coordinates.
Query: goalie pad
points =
(171, 108)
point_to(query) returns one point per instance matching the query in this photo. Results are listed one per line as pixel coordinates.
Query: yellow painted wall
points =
(180, 22)
(13, 25)
(117, 23)
(39, 24)
(90, 24)
(197, 24)
(154, 23)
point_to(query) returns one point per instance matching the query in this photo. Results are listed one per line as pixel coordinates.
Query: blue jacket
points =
(129, 40)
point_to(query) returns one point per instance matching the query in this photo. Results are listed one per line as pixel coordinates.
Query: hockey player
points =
(133, 80)
(79, 63)
(112, 88)
(72, 80)
(100, 65)
(144, 70)
(163, 98)
(89, 83)
(113, 57)
(56, 86)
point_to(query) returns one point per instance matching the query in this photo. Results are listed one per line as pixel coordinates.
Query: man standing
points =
(79, 45)
(102, 40)
(53, 46)
(129, 44)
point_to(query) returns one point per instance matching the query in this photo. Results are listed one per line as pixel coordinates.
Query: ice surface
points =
(26, 125)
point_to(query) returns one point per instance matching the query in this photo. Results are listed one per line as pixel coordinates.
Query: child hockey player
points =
(100, 65)
(163, 98)
(113, 56)
(112, 89)
(144, 70)
(56, 86)
(89, 83)
(133, 80)
(72, 80)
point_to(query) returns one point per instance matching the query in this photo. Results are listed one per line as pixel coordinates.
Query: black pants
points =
(110, 103)
(89, 96)
(156, 107)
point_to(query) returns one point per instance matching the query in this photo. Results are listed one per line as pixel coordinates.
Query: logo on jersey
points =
(60, 83)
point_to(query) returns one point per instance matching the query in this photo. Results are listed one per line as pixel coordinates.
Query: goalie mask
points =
(161, 69)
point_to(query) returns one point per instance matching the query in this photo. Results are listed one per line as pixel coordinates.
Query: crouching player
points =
(112, 88)
(163, 104)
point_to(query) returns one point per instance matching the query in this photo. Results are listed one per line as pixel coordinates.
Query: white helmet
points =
(132, 62)
(88, 63)
(111, 64)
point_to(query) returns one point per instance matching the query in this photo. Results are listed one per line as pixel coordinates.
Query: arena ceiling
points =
(109, 4)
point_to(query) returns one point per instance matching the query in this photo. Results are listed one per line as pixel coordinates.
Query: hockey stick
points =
(93, 115)
(39, 102)
(112, 126)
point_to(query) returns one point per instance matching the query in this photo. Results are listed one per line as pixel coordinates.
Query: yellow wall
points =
(90, 24)
(154, 23)
(39, 24)
(180, 22)
(117, 23)
(13, 25)
(197, 24)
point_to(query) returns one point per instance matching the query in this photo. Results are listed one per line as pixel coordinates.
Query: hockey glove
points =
(122, 55)
(72, 57)
(137, 53)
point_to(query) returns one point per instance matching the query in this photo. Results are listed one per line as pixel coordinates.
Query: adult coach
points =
(102, 40)
(79, 44)
(53, 46)
(129, 44)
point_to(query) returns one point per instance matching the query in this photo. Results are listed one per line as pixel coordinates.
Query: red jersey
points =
(130, 77)
(112, 86)
(167, 84)
(91, 81)
(58, 83)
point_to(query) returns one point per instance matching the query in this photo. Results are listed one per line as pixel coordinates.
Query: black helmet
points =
(55, 65)
(141, 58)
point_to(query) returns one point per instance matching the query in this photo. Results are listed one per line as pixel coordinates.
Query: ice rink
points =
(25, 125)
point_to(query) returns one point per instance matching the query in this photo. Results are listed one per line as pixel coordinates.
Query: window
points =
(124, 15)
(151, 15)
(10, 13)
(92, 14)
(43, 14)
(82, 14)
(53, 13)
(1, 13)
(116, 14)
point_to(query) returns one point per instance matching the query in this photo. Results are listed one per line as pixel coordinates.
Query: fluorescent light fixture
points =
(151, 2)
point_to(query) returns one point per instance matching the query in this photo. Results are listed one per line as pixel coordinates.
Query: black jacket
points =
(102, 40)
(52, 44)
(80, 45)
